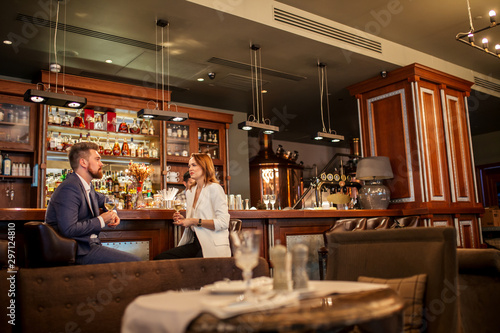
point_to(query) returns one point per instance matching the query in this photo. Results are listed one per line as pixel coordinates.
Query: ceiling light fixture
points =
(323, 91)
(168, 114)
(468, 37)
(256, 120)
(54, 98)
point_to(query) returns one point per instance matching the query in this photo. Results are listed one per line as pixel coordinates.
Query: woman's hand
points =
(185, 222)
(177, 216)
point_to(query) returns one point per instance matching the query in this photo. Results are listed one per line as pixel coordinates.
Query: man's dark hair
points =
(78, 151)
(187, 176)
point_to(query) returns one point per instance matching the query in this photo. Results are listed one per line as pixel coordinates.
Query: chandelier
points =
(469, 37)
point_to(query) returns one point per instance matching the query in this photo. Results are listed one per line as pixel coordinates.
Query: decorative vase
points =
(139, 199)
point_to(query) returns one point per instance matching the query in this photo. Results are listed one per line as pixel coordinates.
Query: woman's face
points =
(195, 170)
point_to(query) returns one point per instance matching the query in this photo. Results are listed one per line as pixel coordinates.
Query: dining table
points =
(325, 306)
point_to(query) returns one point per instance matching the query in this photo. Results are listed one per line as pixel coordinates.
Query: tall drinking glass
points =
(246, 250)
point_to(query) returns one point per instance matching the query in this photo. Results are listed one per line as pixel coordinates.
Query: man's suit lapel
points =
(84, 194)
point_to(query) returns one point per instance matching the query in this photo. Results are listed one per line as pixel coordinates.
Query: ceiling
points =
(204, 40)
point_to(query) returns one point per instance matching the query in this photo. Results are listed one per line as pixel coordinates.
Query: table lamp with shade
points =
(374, 194)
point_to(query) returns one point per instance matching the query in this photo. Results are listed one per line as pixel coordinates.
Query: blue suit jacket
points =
(69, 212)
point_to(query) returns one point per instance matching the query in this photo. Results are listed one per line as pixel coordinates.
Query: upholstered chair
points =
(376, 223)
(426, 256)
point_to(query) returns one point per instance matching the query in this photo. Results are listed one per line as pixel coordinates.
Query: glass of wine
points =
(246, 250)
(179, 202)
(265, 198)
(109, 203)
(272, 200)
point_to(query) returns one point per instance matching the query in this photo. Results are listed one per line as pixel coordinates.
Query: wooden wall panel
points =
(457, 136)
(432, 143)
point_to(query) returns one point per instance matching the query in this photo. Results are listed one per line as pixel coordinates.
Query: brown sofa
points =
(93, 298)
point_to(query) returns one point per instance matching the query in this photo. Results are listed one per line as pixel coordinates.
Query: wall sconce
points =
(468, 37)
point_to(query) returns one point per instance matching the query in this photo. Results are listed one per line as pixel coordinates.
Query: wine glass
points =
(179, 202)
(265, 198)
(246, 250)
(109, 202)
(272, 199)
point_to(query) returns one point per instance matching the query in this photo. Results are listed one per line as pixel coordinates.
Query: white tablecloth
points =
(172, 311)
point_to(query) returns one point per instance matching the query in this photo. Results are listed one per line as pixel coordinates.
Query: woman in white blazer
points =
(207, 218)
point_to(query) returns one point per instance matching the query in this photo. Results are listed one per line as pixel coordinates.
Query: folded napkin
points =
(224, 307)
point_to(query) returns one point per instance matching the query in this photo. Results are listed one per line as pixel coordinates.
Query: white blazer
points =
(211, 205)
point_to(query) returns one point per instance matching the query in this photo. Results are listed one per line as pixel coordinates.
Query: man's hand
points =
(111, 218)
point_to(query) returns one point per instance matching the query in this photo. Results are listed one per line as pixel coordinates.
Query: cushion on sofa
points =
(411, 290)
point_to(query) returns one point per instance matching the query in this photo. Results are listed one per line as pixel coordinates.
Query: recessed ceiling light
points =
(109, 61)
(201, 79)
(7, 42)
(264, 91)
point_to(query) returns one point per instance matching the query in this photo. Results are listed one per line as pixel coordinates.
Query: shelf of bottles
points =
(208, 143)
(121, 139)
(14, 123)
(177, 142)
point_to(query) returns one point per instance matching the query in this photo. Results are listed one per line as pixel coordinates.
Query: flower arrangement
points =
(139, 171)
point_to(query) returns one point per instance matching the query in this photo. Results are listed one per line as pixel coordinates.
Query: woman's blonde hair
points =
(206, 163)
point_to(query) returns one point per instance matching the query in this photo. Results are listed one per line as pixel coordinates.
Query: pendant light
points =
(54, 98)
(324, 99)
(256, 120)
(168, 114)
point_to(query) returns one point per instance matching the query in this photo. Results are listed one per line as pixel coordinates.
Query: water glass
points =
(265, 198)
(272, 200)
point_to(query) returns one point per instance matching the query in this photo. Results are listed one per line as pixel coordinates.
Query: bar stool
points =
(376, 223)
(406, 222)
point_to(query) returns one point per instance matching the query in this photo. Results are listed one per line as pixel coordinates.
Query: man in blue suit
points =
(73, 209)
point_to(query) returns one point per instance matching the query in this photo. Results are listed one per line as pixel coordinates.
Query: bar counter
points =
(152, 229)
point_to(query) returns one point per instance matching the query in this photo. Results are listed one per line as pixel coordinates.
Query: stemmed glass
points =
(179, 202)
(265, 198)
(109, 203)
(272, 199)
(246, 250)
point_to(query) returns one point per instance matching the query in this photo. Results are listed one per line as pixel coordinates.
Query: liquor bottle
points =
(205, 136)
(140, 150)
(145, 152)
(100, 146)
(59, 142)
(169, 130)
(185, 132)
(134, 129)
(179, 132)
(151, 129)
(107, 147)
(116, 185)
(78, 121)
(215, 137)
(7, 166)
(81, 138)
(87, 137)
(153, 151)
(133, 148)
(125, 148)
(109, 182)
(123, 127)
(50, 138)
(116, 148)
(57, 117)
(210, 136)
(65, 120)
(199, 134)
(144, 127)
(50, 117)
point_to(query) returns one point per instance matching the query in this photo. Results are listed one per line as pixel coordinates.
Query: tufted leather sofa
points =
(93, 298)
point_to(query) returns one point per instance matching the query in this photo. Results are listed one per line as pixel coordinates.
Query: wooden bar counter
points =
(153, 228)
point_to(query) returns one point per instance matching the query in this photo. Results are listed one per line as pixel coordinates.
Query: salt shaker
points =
(299, 264)
(281, 260)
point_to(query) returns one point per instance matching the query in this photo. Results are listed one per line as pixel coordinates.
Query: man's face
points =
(94, 164)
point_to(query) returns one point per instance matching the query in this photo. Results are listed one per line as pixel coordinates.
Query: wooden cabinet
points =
(418, 117)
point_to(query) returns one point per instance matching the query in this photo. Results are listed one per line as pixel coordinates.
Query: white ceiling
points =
(125, 31)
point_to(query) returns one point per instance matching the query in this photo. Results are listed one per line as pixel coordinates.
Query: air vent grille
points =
(325, 30)
(86, 32)
(487, 84)
(247, 67)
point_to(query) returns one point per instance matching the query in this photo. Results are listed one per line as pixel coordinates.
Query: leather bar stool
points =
(407, 222)
(46, 248)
